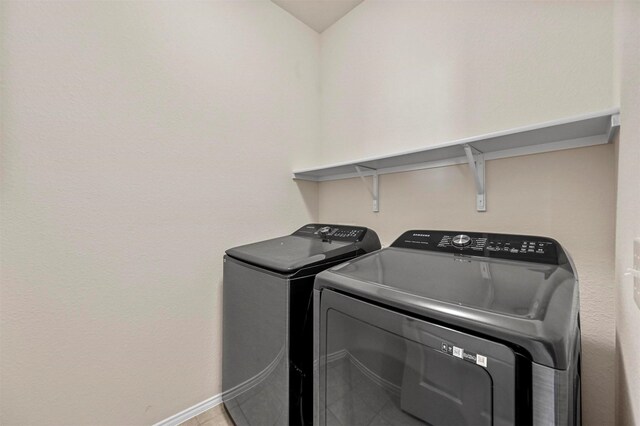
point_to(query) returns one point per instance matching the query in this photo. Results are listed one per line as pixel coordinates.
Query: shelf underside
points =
(575, 132)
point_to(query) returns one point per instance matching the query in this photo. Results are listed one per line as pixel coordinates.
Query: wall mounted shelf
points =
(574, 132)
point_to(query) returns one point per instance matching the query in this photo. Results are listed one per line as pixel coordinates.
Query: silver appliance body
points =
(449, 328)
(267, 320)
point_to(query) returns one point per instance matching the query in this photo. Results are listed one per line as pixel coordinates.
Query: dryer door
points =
(378, 366)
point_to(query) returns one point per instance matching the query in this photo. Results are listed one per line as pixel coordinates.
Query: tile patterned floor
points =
(216, 416)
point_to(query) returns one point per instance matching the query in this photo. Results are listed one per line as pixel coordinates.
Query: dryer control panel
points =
(504, 246)
(332, 232)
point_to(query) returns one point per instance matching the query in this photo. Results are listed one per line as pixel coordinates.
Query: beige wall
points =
(406, 74)
(398, 74)
(628, 211)
(140, 140)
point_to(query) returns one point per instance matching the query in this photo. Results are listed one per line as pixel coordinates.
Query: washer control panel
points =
(461, 240)
(332, 232)
(504, 246)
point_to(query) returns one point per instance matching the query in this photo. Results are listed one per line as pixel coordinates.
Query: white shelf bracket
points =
(475, 159)
(374, 191)
(614, 125)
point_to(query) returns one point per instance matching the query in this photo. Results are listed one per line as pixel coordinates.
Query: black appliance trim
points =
(486, 244)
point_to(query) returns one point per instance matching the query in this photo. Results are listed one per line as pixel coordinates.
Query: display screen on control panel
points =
(503, 246)
(332, 232)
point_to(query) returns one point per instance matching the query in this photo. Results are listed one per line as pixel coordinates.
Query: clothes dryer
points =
(450, 328)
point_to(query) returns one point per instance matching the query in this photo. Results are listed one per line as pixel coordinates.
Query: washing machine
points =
(449, 328)
(268, 320)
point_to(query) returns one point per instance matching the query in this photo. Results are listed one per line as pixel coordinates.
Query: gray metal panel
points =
(532, 305)
(550, 396)
(255, 378)
(556, 394)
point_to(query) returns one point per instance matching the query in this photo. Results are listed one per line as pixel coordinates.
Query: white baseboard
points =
(191, 412)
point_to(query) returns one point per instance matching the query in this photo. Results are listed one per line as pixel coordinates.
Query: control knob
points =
(461, 240)
(324, 232)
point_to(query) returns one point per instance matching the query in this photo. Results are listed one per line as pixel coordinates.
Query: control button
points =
(461, 240)
(324, 232)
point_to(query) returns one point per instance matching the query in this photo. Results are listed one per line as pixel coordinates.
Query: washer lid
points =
(533, 305)
(310, 245)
